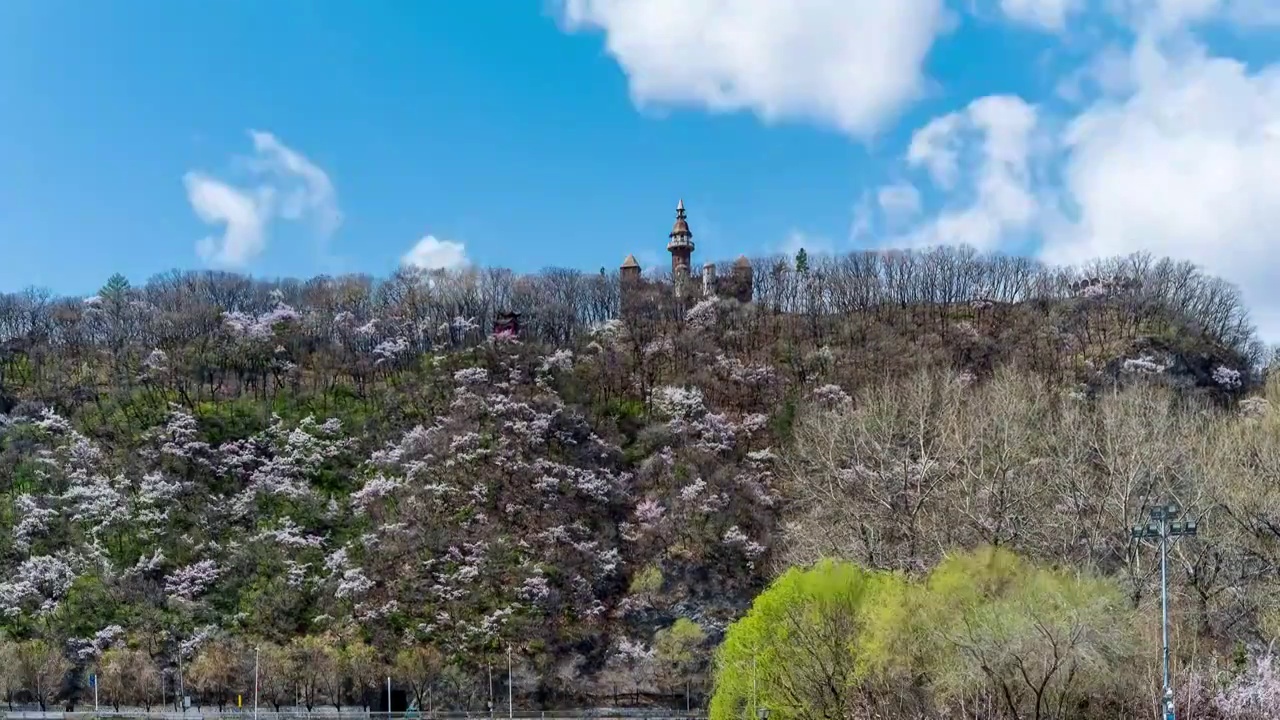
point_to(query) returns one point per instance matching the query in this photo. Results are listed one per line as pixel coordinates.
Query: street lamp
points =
(255, 682)
(1166, 528)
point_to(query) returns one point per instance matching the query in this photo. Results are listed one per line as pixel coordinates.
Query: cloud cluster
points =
(981, 156)
(1163, 145)
(849, 64)
(1045, 14)
(283, 184)
(431, 253)
(1184, 163)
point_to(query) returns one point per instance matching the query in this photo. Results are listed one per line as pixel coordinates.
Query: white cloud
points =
(1256, 13)
(1187, 166)
(849, 64)
(1166, 16)
(1163, 147)
(936, 146)
(430, 253)
(284, 185)
(811, 244)
(309, 194)
(898, 203)
(1178, 155)
(241, 213)
(993, 138)
(1046, 14)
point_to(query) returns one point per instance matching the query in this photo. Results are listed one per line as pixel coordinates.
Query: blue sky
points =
(536, 133)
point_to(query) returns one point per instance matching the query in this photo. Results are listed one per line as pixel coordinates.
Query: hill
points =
(359, 474)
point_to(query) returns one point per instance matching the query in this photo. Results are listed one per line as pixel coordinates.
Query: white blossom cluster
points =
(1255, 693)
(190, 582)
(1227, 378)
(830, 396)
(683, 403)
(1145, 365)
(38, 585)
(260, 327)
(504, 484)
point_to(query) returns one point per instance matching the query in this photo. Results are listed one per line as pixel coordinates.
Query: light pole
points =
(182, 690)
(255, 683)
(755, 689)
(1166, 528)
(510, 712)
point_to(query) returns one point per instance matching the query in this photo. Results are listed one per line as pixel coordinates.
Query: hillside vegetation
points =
(357, 477)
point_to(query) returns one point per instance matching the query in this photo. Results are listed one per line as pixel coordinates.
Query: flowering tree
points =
(492, 522)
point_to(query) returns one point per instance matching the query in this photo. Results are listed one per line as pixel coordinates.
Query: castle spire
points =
(680, 234)
(680, 245)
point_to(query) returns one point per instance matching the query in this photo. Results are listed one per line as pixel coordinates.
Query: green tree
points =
(678, 653)
(418, 667)
(802, 261)
(647, 584)
(219, 670)
(796, 650)
(986, 629)
(276, 676)
(10, 672)
(312, 667)
(361, 670)
(116, 288)
(43, 667)
(1041, 642)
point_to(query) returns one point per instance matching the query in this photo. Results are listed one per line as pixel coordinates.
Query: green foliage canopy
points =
(985, 628)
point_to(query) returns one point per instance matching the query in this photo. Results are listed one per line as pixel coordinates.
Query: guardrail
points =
(331, 714)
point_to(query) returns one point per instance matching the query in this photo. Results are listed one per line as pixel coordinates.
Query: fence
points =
(331, 714)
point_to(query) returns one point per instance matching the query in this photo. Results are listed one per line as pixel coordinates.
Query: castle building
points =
(738, 285)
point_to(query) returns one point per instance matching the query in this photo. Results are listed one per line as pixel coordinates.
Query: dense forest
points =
(358, 477)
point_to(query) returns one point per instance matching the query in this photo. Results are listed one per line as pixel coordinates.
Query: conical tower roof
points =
(630, 262)
(681, 236)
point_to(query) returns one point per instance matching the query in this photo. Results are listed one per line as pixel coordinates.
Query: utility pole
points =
(1165, 528)
(510, 712)
(489, 665)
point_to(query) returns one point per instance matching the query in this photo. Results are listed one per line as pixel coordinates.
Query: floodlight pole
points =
(256, 651)
(1164, 528)
(1164, 601)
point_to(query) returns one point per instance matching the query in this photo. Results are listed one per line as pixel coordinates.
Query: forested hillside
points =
(357, 474)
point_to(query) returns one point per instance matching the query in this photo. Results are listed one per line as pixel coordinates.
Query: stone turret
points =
(709, 279)
(680, 246)
(743, 279)
(630, 269)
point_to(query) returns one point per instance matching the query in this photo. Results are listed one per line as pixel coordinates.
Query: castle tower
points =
(630, 269)
(743, 279)
(681, 247)
(629, 285)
